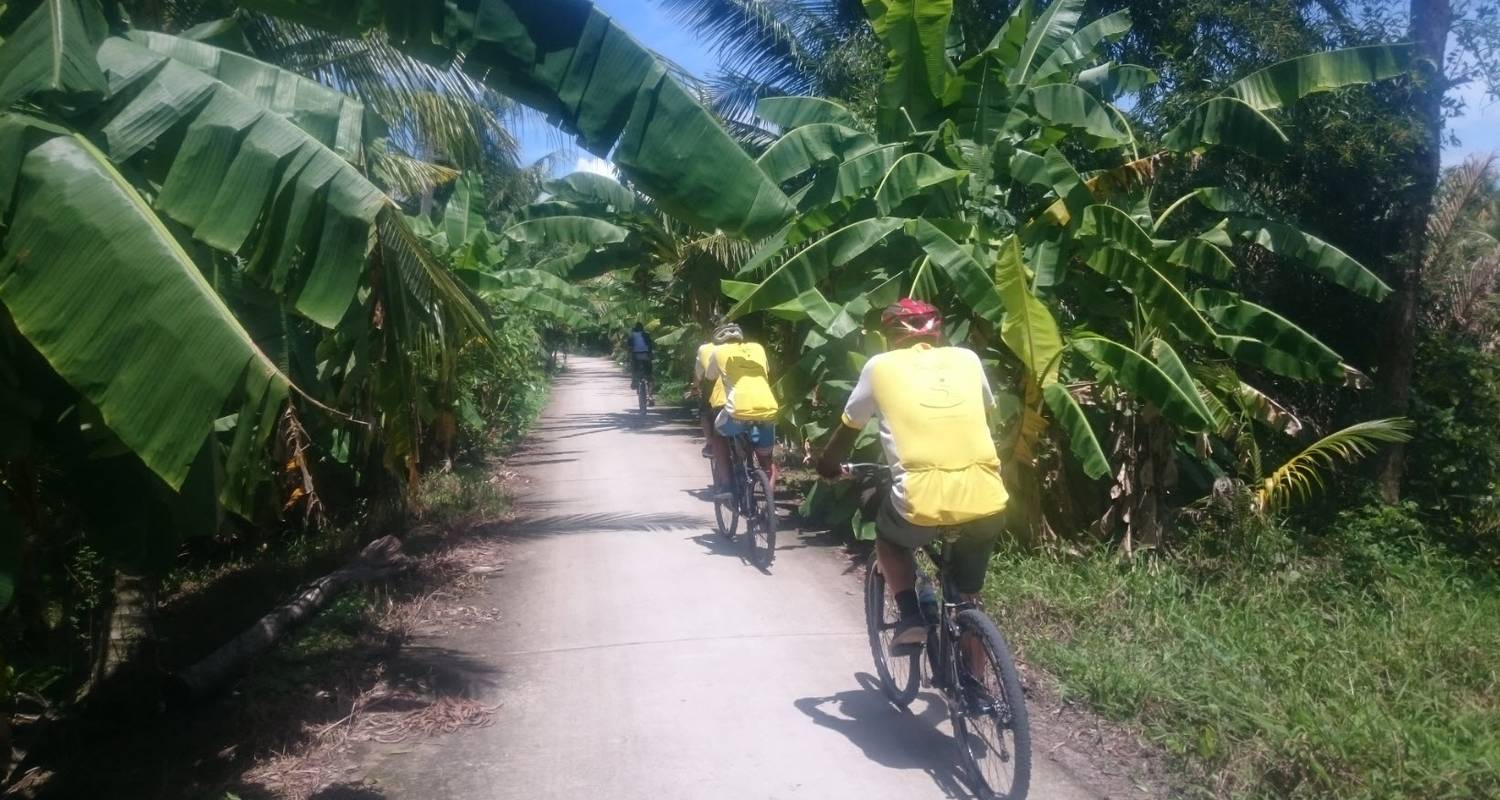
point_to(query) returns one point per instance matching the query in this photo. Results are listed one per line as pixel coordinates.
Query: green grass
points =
(469, 492)
(1285, 671)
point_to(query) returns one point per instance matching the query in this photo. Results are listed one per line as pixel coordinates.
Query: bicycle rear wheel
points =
(991, 723)
(899, 675)
(760, 522)
(640, 391)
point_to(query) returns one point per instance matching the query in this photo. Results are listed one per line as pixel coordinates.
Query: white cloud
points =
(595, 165)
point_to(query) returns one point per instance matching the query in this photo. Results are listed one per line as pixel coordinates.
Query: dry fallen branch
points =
(379, 559)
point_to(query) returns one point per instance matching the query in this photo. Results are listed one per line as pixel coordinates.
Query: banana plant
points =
(186, 241)
(1013, 189)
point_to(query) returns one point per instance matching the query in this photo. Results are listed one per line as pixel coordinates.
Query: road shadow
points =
(554, 524)
(660, 421)
(715, 545)
(894, 738)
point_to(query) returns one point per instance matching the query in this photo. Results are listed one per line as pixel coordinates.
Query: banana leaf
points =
(462, 219)
(912, 174)
(1108, 81)
(50, 57)
(154, 348)
(1202, 257)
(1081, 439)
(568, 60)
(804, 270)
(1050, 31)
(1228, 122)
(331, 117)
(586, 231)
(1278, 344)
(969, 279)
(1280, 85)
(1068, 106)
(1322, 257)
(788, 113)
(1143, 379)
(592, 189)
(246, 180)
(1154, 290)
(1171, 365)
(1029, 329)
(1082, 45)
(812, 145)
(1110, 226)
(915, 36)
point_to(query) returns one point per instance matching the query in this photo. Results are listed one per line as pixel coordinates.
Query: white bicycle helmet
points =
(728, 333)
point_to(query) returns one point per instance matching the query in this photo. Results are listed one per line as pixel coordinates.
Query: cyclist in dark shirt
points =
(642, 350)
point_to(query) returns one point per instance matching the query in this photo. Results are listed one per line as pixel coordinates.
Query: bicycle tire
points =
(899, 675)
(986, 765)
(760, 521)
(726, 509)
(640, 392)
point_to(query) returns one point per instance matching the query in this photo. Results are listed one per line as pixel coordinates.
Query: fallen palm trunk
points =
(379, 559)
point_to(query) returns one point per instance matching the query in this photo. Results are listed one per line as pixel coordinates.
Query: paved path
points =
(638, 658)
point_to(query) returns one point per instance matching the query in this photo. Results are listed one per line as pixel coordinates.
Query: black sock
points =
(906, 602)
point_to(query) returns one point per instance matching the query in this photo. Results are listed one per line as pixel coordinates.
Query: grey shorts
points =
(972, 547)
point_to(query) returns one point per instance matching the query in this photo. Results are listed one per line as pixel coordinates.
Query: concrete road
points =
(638, 657)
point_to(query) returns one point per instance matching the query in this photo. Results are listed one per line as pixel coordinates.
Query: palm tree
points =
(776, 48)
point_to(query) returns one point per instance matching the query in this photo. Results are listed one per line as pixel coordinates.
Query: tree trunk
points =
(124, 670)
(1430, 22)
(378, 559)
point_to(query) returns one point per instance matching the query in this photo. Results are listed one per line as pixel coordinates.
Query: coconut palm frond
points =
(403, 175)
(440, 113)
(1461, 188)
(1305, 473)
(763, 38)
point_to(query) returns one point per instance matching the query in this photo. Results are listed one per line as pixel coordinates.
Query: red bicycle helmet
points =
(912, 319)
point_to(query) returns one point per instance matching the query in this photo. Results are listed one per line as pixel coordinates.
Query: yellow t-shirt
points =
(931, 403)
(747, 380)
(716, 398)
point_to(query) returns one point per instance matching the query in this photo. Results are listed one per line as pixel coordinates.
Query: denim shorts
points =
(762, 434)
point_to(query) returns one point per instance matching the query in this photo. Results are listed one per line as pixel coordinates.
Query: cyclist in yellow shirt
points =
(749, 406)
(932, 403)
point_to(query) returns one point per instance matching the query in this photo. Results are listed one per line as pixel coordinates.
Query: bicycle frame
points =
(943, 636)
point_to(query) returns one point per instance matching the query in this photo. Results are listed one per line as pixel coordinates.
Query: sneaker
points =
(707, 451)
(911, 634)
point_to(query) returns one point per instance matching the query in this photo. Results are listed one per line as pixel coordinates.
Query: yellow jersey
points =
(716, 397)
(747, 380)
(932, 404)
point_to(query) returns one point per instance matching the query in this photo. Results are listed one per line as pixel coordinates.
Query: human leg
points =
(896, 539)
(971, 561)
(723, 424)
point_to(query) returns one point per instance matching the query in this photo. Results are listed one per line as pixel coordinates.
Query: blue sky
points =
(1478, 128)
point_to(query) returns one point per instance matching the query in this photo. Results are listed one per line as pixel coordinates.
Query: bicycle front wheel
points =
(991, 723)
(760, 522)
(898, 675)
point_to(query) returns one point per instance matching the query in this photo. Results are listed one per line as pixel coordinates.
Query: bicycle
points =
(750, 498)
(640, 381)
(983, 709)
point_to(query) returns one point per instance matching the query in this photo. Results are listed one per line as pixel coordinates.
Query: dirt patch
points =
(292, 727)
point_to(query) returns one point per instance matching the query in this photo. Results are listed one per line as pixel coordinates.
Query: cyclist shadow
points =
(891, 737)
(715, 545)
